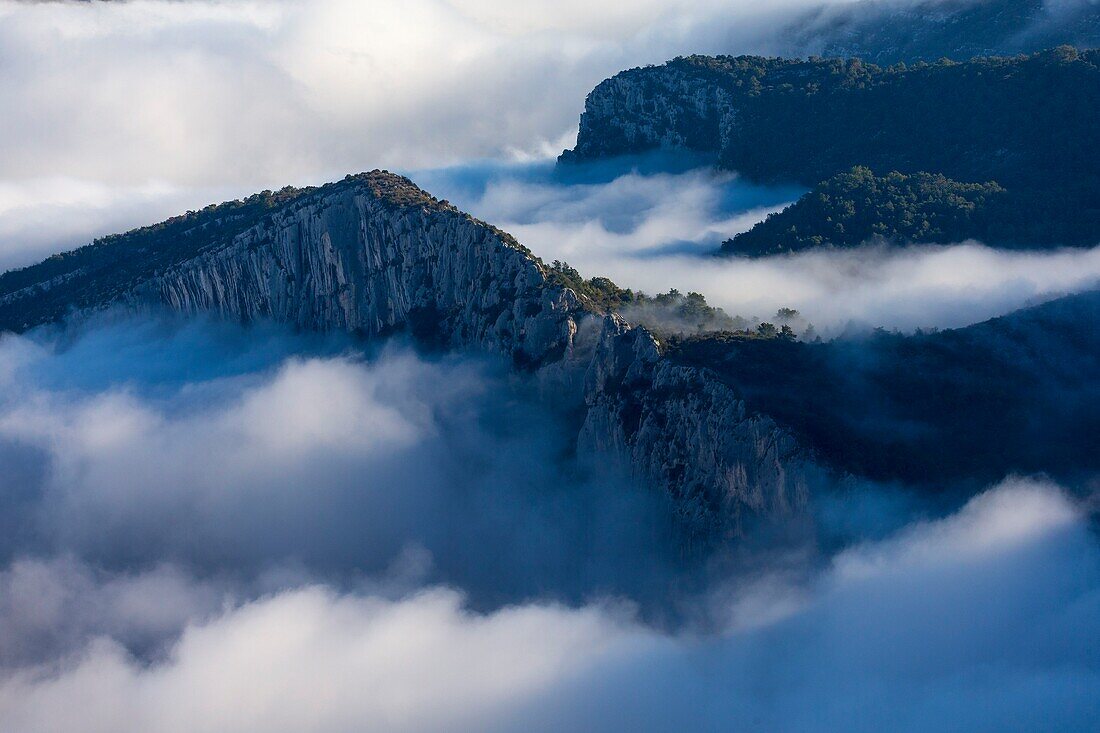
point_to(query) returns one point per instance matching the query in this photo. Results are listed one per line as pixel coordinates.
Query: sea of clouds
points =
(216, 528)
(240, 450)
(205, 527)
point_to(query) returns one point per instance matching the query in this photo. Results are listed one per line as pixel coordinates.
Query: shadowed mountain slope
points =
(1020, 393)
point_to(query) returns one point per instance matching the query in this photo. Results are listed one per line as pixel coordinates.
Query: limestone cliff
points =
(666, 108)
(1018, 122)
(371, 254)
(374, 255)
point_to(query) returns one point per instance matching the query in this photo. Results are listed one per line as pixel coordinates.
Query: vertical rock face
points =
(681, 428)
(640, 110)
(373, 254)
(349, 260)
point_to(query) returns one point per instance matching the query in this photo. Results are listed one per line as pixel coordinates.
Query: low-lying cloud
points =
(983, 620)
(51, 608)
(205, 527)
(304, 536)
(655, 231)
(247, 450)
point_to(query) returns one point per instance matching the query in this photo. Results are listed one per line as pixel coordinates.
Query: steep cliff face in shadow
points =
(956, 408)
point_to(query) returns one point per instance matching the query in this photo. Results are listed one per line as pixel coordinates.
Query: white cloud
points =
(222, 93)
(1004, 637)
(285, 451)
(208, 445)
(1017, 513)
(159, 105)
(653, 232)
(42, 216)
(309, 660)
(917, 287)
(50, 609)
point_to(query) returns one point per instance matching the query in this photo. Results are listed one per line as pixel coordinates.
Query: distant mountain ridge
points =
(1030, 125)
(962, 407)
(857, 207)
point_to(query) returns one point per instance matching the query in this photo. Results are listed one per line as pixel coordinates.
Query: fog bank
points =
(980, 621)
(240, 450)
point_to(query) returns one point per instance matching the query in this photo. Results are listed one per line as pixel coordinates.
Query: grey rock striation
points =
(695, 104)
(638, 110)
(349, 259)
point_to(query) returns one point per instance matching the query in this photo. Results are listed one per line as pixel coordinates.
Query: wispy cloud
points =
(652, 231)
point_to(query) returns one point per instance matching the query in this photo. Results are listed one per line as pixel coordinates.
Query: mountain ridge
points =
(1027, 124)
(352, 257)
(856, 207)
(681, 416)
(965, 406)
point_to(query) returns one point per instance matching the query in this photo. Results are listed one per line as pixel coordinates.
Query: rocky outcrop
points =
(374, 255)
(682, 428)
(641, 110)
(347, 259)
(689, 104)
